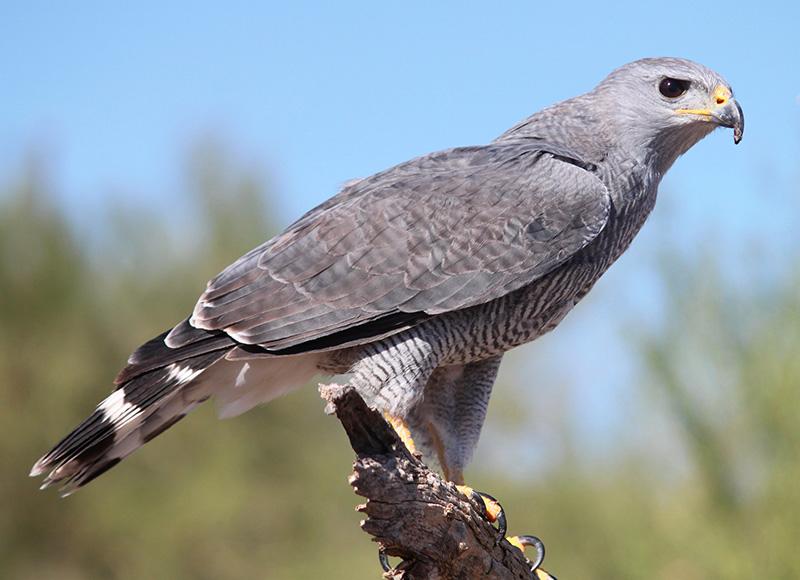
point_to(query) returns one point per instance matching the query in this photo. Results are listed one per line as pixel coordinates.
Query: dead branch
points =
(411, 512)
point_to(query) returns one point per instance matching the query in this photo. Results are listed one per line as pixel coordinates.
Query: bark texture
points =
(411, 511)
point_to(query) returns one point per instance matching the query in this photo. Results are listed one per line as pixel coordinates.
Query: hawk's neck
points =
(629, 177)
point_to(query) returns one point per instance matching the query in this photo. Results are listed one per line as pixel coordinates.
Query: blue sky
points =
(318, 93)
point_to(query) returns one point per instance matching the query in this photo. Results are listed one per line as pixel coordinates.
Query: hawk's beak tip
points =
(731, 115)
(738, 133)
(738, 125)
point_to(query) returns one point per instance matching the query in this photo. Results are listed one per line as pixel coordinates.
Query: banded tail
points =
(159, 386)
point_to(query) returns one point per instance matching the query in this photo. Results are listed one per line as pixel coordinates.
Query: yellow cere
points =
(721, 95)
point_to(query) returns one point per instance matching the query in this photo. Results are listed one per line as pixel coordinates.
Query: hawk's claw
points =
(492, 510)
(494, 513)
(523, 542)
(384, 560)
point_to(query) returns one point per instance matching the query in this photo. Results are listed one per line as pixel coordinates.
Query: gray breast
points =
(489, 329)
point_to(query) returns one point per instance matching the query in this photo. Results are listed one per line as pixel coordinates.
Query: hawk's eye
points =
(673, 88)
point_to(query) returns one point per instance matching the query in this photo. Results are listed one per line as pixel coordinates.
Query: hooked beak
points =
(725, 112)
(731, 115)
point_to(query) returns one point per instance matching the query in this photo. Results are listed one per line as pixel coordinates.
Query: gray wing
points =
(439, 233)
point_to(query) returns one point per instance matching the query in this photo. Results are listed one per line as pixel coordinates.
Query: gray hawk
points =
(417, 279)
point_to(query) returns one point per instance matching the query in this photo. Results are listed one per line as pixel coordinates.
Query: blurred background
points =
(655, 434)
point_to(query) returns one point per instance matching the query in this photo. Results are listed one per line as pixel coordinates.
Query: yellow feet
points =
(402, 431)
(494, 513)
(492, 508)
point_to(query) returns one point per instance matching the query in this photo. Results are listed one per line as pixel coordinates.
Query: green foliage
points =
(262, 496)
(713, 494)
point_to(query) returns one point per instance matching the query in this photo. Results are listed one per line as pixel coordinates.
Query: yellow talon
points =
(402, 431)
(494, 512)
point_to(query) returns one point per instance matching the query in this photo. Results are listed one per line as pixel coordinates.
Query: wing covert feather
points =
(439, 233)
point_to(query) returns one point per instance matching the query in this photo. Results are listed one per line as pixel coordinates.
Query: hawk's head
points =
(666, 105)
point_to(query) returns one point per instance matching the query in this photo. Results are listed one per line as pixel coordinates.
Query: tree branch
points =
(412, 512)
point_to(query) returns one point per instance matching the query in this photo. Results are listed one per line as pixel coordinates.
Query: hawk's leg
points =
(391, 375)
(446, 426)
(448, 419)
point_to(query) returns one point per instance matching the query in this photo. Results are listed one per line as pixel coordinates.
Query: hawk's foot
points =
(523, 542)
(492, 509)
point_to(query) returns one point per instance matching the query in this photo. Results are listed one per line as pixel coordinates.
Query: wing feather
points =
(443, 232)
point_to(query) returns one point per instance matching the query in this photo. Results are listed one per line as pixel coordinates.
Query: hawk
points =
(417, 279)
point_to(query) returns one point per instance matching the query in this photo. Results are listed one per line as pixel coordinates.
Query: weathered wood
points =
(412, 512)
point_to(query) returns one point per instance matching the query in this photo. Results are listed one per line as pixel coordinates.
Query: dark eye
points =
(673, 88)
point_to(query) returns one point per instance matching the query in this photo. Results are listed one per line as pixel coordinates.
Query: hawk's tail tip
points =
(136, 412)
(39, 467)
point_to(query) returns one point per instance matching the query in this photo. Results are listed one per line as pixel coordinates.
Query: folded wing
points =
(439, 233)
